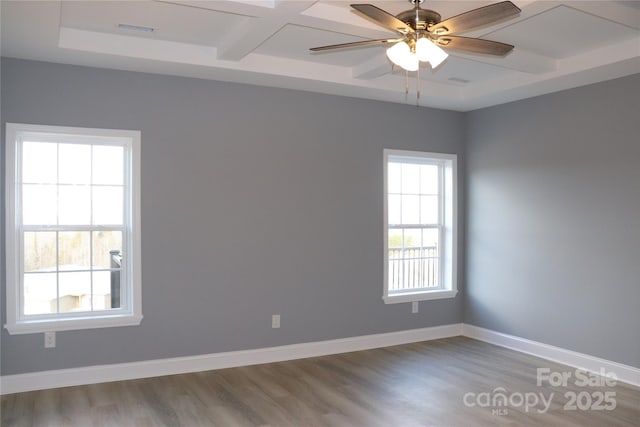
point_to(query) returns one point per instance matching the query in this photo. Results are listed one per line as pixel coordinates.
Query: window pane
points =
(395, 255)
(412, 238)
(430, 237)
(107, 205)
(74, 250)
(429, 209)
(74, 164)
(108, 165)
(75, 205)
(103, 243)
(38, 204)
(394, 238)
(410, 179)
(102, 289)
(411, 259)
(39, 162)
(39, 251)
(40, 293)
(75, 291)
(429, 179)
(410, 209)
(394, 178)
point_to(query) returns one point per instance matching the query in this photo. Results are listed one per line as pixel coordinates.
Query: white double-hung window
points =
(72, 228)
(420, 226)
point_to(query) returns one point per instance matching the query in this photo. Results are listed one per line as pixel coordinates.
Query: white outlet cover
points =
(415, 306)
(275, 321)
(49, 340)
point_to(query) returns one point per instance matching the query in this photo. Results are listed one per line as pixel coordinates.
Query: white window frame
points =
(449, 217)
(130, 313)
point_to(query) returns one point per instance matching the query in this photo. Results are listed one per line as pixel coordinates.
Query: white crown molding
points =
(179, 365)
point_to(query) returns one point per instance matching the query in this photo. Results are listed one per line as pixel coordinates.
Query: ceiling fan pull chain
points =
(418, 87)
(406, 86)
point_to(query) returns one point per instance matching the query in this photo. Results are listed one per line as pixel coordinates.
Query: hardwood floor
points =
(421, 384)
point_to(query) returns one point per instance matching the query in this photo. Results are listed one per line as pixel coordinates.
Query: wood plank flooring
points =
(421, 384)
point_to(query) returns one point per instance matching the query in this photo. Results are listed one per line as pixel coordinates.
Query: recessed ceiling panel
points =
(563, 32)
(205, 27)
(294, 41)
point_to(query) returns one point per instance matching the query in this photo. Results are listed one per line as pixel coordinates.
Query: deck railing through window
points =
(413, 268)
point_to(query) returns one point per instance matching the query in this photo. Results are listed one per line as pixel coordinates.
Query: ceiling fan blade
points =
(468, 44)
(383, 18)
(476, 18)
(354, 44)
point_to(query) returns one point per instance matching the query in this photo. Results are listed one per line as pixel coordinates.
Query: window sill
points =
(419, 296)
(71, 324)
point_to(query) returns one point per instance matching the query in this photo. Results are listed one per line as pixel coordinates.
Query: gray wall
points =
(255, 201)
(553, 219)
(258, 201)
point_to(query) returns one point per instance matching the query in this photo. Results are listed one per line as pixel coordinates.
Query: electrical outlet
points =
(275, 321)
(415, 307)
(49, 339)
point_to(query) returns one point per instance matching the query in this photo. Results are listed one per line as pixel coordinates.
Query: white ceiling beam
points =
(613, 53)
(341, 27)
(255, 8)
(518, 60)
(137, 47)
(247, 37)
(617, 60)
(377, 66)
(334, 14)
(530, 8)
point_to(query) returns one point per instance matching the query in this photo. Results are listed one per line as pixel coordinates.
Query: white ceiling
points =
(559, 45)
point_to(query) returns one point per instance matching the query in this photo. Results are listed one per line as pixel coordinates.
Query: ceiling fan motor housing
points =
(419, 25)
(419, 19)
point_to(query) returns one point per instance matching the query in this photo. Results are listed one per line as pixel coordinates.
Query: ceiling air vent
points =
(458, 80)
(138, 28)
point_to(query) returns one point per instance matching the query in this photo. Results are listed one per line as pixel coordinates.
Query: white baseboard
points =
(624, 373)
(179, 365)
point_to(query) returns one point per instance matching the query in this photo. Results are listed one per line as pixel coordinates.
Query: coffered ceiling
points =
(559, 45)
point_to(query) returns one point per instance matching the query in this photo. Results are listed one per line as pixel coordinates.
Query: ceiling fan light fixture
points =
(401, 55)
(427, 51)
(423, 33)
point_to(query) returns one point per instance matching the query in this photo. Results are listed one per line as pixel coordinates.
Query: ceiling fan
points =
(423, 34)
